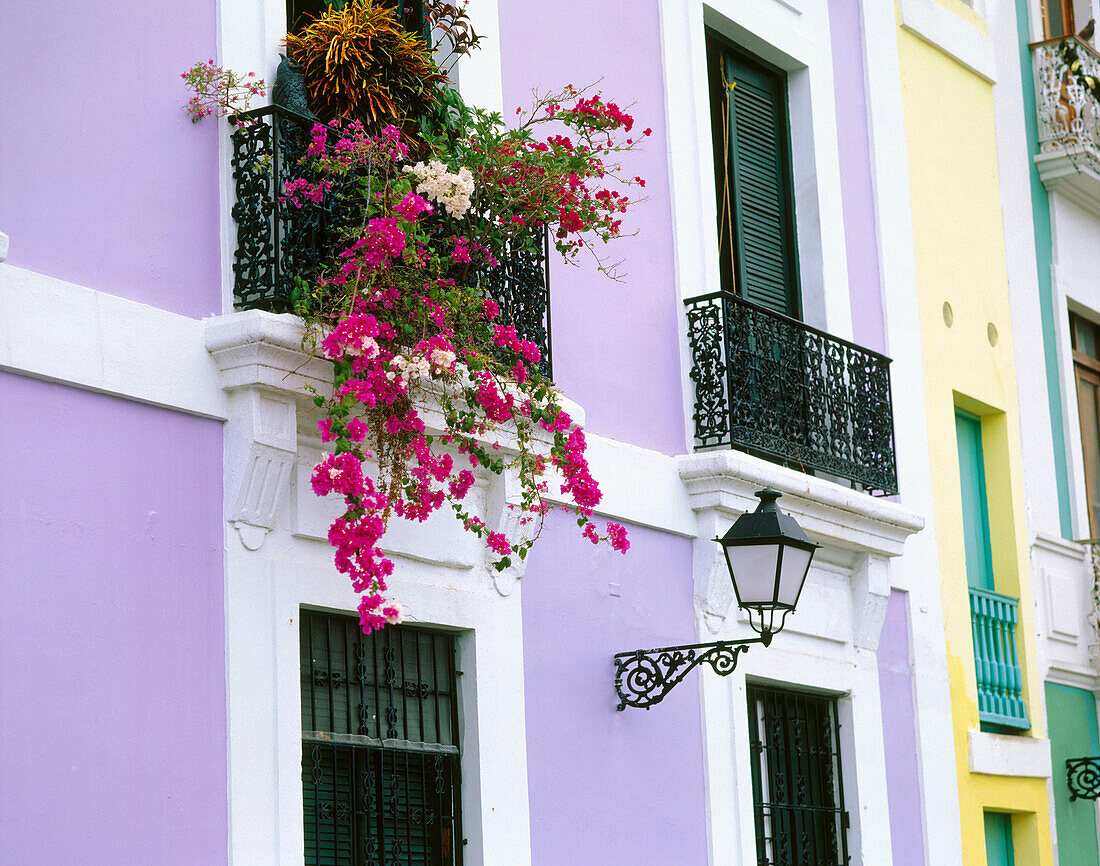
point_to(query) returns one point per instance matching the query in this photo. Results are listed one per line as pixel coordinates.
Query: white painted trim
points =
(62, 332)
(264, 350)
(1069, 173)
(1078, 677)
(938, 777)
(1060, 546)
(797, 41)
(726, 480)
(951, 34)
(1008, 755)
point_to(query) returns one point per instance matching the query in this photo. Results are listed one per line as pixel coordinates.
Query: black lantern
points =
(768, 556)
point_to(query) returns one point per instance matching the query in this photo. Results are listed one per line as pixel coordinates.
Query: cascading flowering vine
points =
(433, 385)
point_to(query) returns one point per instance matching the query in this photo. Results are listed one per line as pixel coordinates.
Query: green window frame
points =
(998, 839)
(754, 182)
(975, 505)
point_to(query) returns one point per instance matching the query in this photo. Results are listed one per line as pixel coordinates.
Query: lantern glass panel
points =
(753, 568)
(796, 562)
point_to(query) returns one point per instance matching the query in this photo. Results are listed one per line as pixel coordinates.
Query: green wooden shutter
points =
(979, 558)
(757, 181)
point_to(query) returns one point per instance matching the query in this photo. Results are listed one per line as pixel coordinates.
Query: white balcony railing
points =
(1068, 116)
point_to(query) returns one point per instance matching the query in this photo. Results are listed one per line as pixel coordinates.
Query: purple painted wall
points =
(616, 345)
(105, 181)
(609, 787)
(112, 702)
(895, 680)
(856, 189)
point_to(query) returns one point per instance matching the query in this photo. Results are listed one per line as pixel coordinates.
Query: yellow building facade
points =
(971, 384)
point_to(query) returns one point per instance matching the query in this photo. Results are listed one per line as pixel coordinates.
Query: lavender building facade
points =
(162, 550)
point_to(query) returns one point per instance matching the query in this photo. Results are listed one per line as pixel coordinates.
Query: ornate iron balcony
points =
(773, 386)
(278, 243)
(1068, 115)
(1000, 681)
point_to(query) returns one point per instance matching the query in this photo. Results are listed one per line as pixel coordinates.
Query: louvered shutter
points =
(764, 254)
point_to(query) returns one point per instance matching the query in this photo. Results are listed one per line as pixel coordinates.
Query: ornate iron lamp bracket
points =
(1083, 778)
(644, 677)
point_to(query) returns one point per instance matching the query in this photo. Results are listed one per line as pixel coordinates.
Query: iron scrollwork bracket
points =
(644, 677)
(1083, 778)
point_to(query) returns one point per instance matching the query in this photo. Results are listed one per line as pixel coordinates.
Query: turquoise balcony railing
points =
(1000, 682)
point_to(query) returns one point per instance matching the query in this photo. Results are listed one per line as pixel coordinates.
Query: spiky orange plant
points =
(361, 64)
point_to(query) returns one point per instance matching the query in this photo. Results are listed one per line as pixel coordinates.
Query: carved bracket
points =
(501, 516)
(644, 677)
(263, 486)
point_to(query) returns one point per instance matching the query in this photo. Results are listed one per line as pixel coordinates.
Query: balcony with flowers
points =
(1067, 94)
(397, 239)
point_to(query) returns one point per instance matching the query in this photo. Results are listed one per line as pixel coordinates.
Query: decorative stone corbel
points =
(870, 594)
(264, 371)
(713, 588)
(262, 489)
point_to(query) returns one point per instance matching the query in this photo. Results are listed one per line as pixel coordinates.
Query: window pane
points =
(1085, 337)
(1090, 442)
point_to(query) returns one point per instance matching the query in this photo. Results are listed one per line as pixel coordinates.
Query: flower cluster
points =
(450, 189)
(219, 91)
(434, 386)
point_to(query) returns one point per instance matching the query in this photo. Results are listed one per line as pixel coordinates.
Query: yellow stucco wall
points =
(960, 257)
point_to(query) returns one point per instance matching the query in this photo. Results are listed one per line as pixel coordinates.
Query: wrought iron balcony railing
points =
(1000, 681)
(277, 243)
(771, 385)
(1068, 115)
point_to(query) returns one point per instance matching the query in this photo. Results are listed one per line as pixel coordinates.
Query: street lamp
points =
(768, 556)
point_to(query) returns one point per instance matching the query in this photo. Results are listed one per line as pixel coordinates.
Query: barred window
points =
(380, 757)
(798, 802)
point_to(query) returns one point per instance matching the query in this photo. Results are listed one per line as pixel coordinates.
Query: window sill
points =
(1008, 755)
(953, 35)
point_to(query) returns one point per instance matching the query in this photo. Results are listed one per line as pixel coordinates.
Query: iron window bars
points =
(771, 385)
(798, 801)
(277, 243)
(380, 757)
(1083, 778)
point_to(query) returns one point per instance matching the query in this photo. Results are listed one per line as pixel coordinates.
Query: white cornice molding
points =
(726, 481)
(62, 332)
(256, 348)
(1060, 173)
(1054, 544)
(1008, 755)
(948, 32)
(860, 534)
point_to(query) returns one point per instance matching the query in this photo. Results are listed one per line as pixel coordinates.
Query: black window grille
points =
(300, 12)
(798, 803)
(380, 758)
